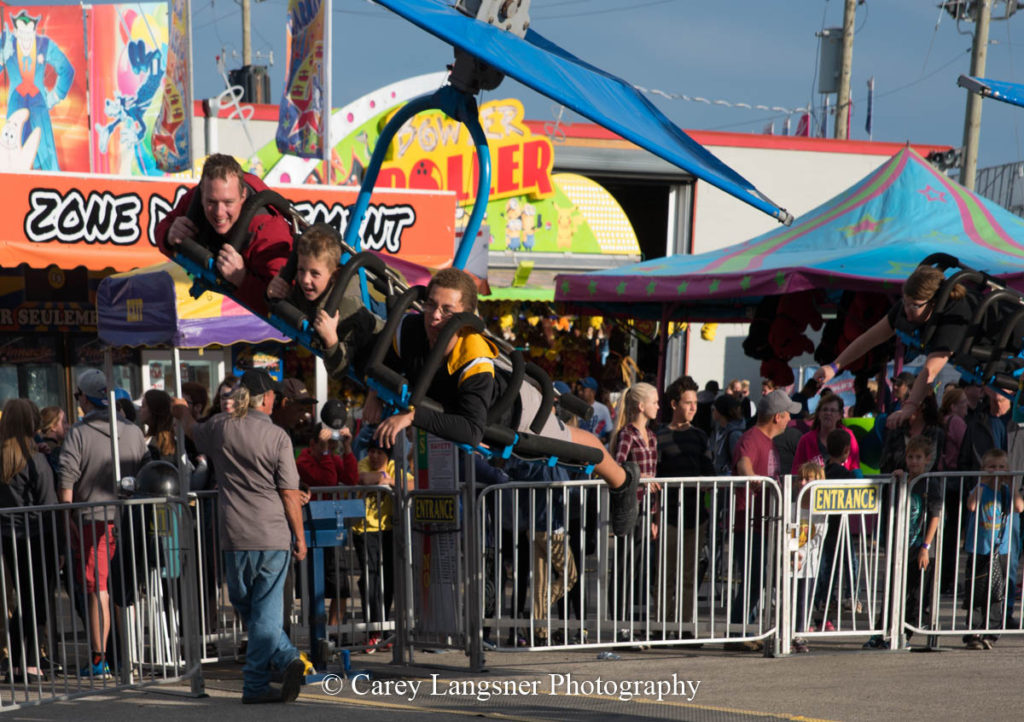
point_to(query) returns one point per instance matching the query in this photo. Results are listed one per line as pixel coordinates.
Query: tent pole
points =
(108, 371)
(179, 429)
(662, 346)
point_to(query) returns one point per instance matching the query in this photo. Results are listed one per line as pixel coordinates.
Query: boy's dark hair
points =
(922, 444)
(677, 388)
(458, 280)
(993, 454)
(322, 241)
(837, 442)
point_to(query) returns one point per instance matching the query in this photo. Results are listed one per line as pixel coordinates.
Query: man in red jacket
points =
(223, 189)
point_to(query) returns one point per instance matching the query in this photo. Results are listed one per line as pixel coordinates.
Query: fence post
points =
(191, 623)
(898, 583)
(473, 553)
(785, 576)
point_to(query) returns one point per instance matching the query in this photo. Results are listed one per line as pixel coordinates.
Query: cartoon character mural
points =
(27, 56)
(128, 51)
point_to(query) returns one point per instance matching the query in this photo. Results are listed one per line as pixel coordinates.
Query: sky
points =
(735, 51)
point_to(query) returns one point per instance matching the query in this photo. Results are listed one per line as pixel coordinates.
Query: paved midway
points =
(838, 681)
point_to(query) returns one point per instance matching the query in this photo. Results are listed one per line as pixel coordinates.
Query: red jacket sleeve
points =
(270, 244)
(160, 232)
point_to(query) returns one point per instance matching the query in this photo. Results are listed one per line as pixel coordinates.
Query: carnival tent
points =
(870, 237)
(152, 307)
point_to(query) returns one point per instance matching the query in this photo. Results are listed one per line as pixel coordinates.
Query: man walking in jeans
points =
(260, 509)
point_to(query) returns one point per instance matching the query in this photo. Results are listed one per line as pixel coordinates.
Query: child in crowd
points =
(349, 329)
(925, 510)
(810, 540)
(987, 545)
(374, 539)
(837, 452)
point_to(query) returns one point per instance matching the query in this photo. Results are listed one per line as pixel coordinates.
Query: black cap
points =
(258, 381)
(333, 414)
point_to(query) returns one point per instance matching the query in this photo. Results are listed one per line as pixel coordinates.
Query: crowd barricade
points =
(965, 590)
(700, 566)
(842, 543)
(50, 554)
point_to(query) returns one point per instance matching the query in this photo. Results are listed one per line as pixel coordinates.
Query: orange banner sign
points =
(102, 222)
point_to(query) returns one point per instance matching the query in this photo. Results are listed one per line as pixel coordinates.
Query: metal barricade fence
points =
(971, 586)
(59, 614)
(839, 564)
(701, 565)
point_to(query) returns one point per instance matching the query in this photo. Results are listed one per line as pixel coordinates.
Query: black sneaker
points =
(624, 505)
(294, 676)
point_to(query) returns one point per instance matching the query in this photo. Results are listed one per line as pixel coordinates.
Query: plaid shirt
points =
(629, 447)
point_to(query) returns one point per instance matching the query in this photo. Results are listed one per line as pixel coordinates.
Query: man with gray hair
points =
(260, 509)
(87, 475)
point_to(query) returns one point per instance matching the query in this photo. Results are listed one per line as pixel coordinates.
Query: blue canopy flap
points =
(1012, 93)
(603, 98)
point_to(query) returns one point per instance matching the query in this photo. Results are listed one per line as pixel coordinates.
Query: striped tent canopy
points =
(870, 237)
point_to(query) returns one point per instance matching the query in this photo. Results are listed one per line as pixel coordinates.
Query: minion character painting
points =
(27, 56)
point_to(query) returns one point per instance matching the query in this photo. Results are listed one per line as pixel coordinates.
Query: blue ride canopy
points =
(1012, 93)
(603, 98)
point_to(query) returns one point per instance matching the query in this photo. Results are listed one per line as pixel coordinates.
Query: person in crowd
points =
(747, 405)
(923, 420)
(467, 386)
(925, 507)
(158, 425)
(53, 427)
(913, 311)
(810, 535)
(600, 423)
(838, 447)
(345, 332)
(703, 419)
(329, 462)
(261, 527)
(222, 401)
(992, 505)
(953, 414)
(827, 418)
(26, 540)
(86, 474)
(902, 383)
(223, 189)
(729, 427)
(755, 455)
(374, 539)
(634, 441)
(809, 391)
(198, 397)
(683, 451)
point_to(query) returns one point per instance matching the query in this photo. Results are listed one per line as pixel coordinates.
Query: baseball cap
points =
(333, 414)
(561, 387)
(294, 390)
(589, 382)
(93, 384)
(776, 402)
(258, 381)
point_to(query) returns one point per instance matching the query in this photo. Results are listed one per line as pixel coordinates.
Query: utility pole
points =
(972, 116)
(246, 35)
(845, 71)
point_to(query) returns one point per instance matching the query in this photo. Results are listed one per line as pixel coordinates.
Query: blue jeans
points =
(256, 588)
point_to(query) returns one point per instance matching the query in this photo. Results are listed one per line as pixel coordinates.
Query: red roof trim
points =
(591, 131)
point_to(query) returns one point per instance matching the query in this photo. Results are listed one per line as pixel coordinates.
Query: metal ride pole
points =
(972, 114)
(474, 628)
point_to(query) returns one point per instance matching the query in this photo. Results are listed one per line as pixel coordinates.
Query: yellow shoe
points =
(309, 665)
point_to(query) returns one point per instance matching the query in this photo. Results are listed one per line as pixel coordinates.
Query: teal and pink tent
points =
(868, 238)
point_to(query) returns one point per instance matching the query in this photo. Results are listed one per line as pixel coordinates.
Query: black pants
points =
(376, 573)
(35, 580)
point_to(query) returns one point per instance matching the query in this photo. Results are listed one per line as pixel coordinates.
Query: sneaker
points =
(976, 642)
(372, 643)
(294, 676)
(308, 665)
(100, 669)
(624, 504)
(876, 642)
(800, 646)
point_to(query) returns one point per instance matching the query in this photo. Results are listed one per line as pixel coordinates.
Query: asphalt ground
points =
(835, 681)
